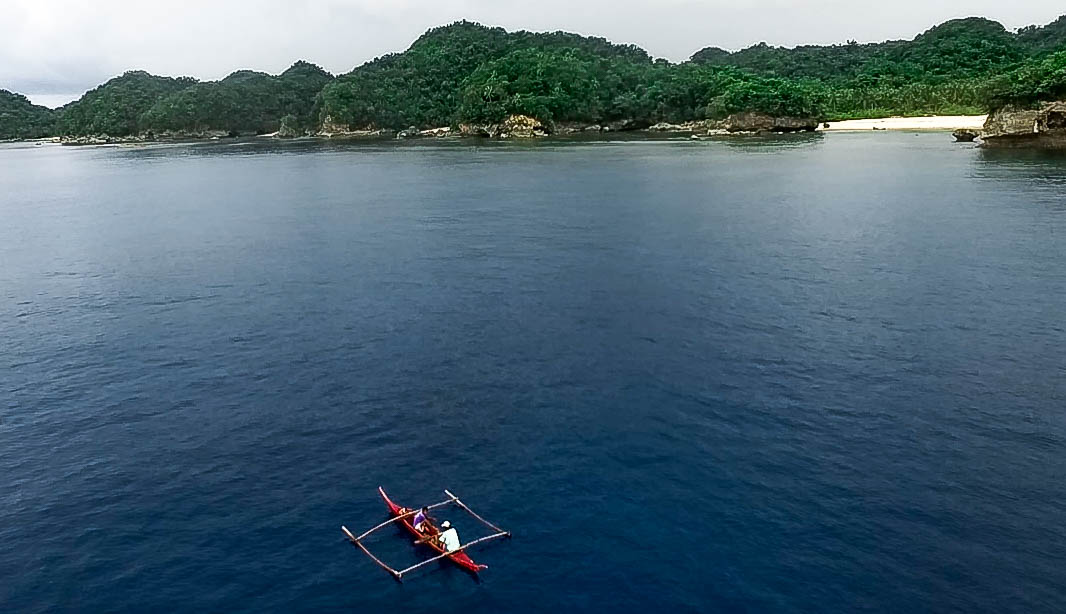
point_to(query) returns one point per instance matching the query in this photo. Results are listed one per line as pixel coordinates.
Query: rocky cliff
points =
(1043, 128)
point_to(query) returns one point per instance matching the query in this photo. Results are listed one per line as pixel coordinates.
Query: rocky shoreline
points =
(1014, 128)
(150, 137)
(525, 127)
(1008, 127)
(515, 127)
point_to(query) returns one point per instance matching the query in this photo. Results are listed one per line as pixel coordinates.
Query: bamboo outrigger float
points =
(404, 515)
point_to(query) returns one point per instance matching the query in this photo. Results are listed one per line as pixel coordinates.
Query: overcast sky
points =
(54, 50)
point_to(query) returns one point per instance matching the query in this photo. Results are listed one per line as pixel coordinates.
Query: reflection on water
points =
(1039, 174)
(1030, 163)
(771, 142)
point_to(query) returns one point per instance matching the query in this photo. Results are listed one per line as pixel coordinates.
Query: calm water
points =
(794, 375)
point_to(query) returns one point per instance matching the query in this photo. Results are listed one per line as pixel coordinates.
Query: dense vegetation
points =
(1038, 79)
(244, 102)
(21, 119)
(468, 73)
(424, 86)
(948, 69)
(116, 107)
(961, 48)
(944, 70)
(1051, 37)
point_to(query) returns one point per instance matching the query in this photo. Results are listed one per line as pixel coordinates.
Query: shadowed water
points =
(815, 374)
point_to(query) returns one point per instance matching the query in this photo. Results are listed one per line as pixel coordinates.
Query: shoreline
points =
(935, 123)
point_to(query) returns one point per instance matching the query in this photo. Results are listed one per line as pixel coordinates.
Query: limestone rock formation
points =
(515, 126)
(1043, 128)
(105, 139)
(331, 127)
(764, 122)
(486, 131)
(288, 128)
(522, 127)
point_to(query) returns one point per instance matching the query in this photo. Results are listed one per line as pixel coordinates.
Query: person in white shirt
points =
(449, 539)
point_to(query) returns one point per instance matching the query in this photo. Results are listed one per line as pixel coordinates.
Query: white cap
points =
(446, 524)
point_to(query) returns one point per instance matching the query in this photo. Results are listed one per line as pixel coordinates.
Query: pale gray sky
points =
(54, 50)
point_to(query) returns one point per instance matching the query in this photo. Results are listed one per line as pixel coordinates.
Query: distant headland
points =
(469, 79)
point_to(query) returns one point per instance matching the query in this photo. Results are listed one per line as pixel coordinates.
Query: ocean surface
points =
(795, 374)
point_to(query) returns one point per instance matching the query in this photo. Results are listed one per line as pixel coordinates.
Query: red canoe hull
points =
(460, 558)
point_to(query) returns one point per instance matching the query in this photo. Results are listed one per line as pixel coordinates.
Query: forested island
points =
(472, 79)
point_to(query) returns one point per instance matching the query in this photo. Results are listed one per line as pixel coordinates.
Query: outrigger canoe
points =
(459, 558)
(403, 516)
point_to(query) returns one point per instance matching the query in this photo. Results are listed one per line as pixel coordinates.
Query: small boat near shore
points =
(403, 515)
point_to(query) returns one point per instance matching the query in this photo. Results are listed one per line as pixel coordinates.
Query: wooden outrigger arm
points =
(475, 514)
(355, 540)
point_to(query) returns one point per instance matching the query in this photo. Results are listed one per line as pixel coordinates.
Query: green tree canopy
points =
(244, 102)
(21, 119)
(115, 108)
(426, 85)
(1044, 39)
(1038, 80)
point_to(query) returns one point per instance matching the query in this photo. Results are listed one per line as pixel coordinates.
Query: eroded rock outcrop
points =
(105, 139)
(288, 128)
(523, 127)
(331, 128)
(693, 127)
(486, 131)
(515, 126)
(91, 139)
(764, 122)
(1043, 128)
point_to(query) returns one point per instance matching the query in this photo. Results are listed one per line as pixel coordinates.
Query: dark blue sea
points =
(810, 374)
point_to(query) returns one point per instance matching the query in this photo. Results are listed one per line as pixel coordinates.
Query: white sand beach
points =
(941, 122)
